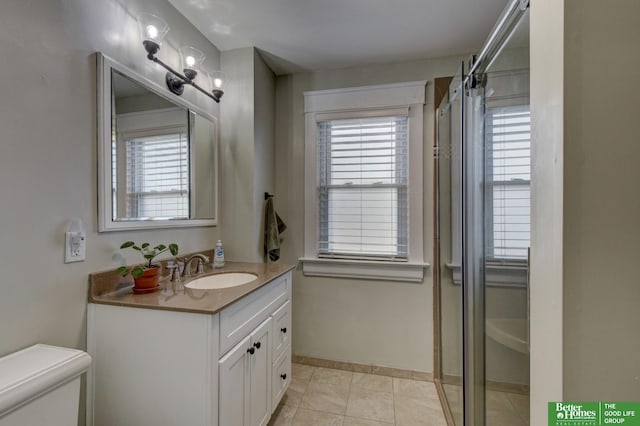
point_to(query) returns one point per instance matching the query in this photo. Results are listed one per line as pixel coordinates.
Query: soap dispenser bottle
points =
(218, 256)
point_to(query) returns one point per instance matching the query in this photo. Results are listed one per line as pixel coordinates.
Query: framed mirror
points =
(156, 155)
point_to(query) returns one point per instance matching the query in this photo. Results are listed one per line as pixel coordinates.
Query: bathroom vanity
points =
(198, 357)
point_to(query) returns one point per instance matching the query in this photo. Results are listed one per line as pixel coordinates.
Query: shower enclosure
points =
(482, 172)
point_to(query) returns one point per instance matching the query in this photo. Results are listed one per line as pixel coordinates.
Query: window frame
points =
(363, 102)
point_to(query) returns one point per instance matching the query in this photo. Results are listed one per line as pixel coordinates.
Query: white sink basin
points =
(223, 280)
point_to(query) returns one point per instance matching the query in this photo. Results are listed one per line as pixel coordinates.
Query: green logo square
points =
(594, 413)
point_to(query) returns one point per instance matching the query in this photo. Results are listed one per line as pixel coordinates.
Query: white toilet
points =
(40, 386)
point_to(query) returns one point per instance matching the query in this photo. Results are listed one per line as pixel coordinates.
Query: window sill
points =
(499, 274)
(364, 269)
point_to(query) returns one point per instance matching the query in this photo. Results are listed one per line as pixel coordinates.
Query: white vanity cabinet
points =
(165, 367)
(281, 368)
(256, 319)
(151, 367)
(245, 376)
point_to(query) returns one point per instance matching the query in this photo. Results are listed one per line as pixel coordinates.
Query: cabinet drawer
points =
(281, 377)
(281, 329)
(237, 320)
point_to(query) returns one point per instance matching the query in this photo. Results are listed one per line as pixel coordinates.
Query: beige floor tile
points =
(370, 404)
(302, 372)
(316, 418)
(453, 393)
(331, 376)
(500, 410)
(520, 404)
(497, 401)
(414, 388)
(373, 382)
(325, 397)
(458, 419)
(418, 412)
(504, 418)
(353, 421)
(283, 416)
(294, 394)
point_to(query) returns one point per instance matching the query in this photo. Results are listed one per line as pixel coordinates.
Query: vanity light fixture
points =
(152, 31)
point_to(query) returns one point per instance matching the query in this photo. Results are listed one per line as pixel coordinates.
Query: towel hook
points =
(267, 195)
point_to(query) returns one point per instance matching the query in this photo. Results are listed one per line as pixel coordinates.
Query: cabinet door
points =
(235, 386)
(260, 362)
(281, 329)
(281, 377)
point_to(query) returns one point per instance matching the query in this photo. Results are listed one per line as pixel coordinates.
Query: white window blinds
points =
(362, 188)
(158, 176)
(508, 131)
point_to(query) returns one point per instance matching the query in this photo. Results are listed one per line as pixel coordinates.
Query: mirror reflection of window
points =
(158, 175)
(152, 168)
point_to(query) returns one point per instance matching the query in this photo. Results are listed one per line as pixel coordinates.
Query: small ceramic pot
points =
(148, 280)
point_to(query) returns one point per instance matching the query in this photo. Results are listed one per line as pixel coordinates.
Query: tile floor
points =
(503, 408)
(323, 396)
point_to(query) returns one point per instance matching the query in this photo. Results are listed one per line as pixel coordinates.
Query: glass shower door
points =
(449, 248)
(482, 233)
(496, 204)
(473, 259)
(507, 155)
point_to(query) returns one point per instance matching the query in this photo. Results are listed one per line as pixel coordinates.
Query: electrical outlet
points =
(75, 246)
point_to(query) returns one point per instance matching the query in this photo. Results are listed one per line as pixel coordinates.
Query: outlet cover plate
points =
(74, 246)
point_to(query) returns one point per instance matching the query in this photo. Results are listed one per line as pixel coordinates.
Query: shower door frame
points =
(473, 247)
(442, 88)
(473, 212)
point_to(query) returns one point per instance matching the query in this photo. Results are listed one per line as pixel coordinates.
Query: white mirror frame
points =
(105, 206)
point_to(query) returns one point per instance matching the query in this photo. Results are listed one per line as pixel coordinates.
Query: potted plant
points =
(147, 275)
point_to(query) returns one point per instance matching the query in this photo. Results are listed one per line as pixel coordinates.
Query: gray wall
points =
(586, 204)
(264, 148)
(369, 322)
(48, 155)
(237, 156)
(247, 151)
(601, 201)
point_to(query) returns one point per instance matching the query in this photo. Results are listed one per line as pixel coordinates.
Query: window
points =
(363, 201)
(157, 175)
(508, 135)
(362, 192)
(506, 128)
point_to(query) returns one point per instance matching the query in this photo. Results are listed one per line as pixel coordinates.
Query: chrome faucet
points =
(202, 259)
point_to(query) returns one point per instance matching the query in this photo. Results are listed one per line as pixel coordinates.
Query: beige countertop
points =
(111, 289)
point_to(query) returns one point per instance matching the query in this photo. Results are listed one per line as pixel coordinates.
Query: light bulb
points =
(217, 82)
(190, 60)
(152, 31)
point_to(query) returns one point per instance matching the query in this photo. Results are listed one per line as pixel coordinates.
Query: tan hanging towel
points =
(273, 227)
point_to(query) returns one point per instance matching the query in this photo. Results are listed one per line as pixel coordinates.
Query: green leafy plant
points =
(148, 253)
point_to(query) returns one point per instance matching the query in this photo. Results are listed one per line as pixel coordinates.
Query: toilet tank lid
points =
(31, 372)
